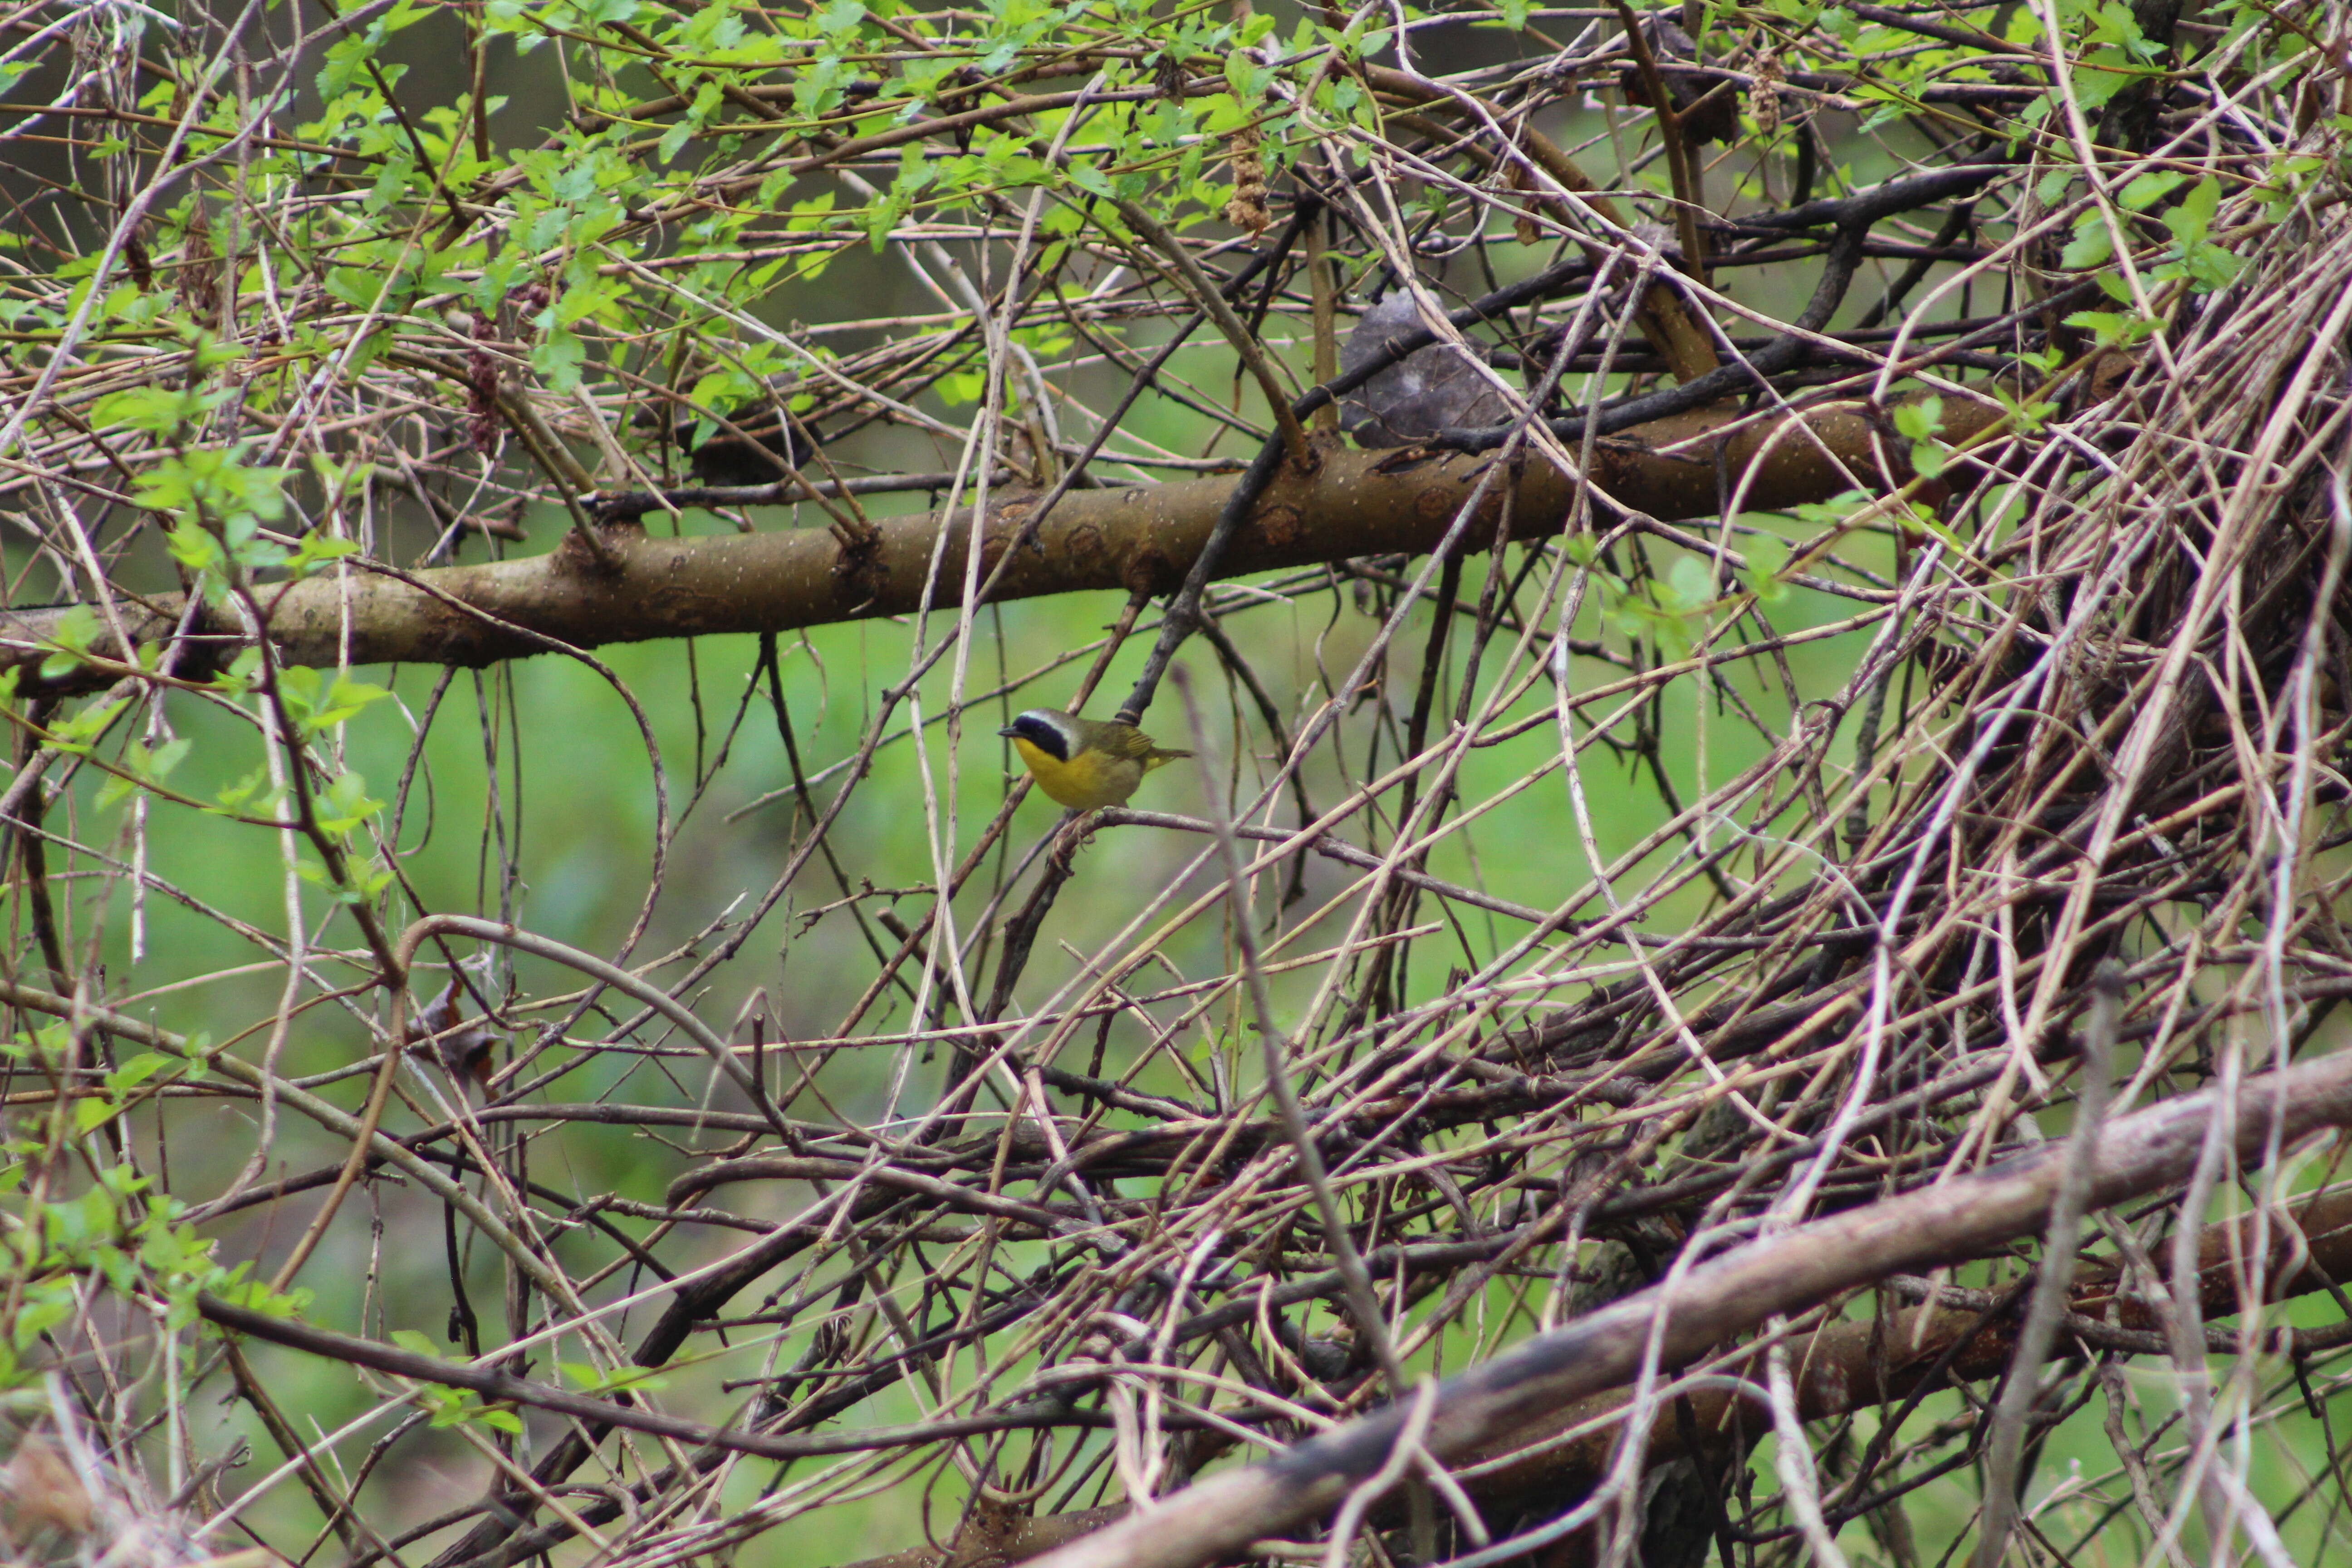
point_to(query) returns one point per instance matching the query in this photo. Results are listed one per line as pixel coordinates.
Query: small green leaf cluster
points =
(74, 639)
(78, 733)
(589, 1379)
(1911, 517)
(1920, 423)
(2193, 256)
(317, 702)
(2107, 49)
(141, 766)
(117, 1230)
(450, 1406)
(2025, 415)
(220, 502)
(1670, 612)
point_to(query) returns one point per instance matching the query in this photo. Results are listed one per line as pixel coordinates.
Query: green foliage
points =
(1919, 423)
(318, 701)
(2114, 329)
(74, 634)
(140, 766)
(454, 1406)
(2193, 254)
(117, 1230)
(588, 1379)
(221, 504)
(1669, 612)
(2025, 415)
(1767, 560)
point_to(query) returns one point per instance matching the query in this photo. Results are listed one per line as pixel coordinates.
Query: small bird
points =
(1085, 763)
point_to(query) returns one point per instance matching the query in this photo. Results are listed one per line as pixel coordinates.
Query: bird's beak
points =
(1006, 732)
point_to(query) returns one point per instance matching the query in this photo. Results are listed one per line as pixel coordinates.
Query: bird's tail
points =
(1161, 756)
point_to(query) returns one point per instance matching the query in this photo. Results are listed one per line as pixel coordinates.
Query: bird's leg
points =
(1077, 826)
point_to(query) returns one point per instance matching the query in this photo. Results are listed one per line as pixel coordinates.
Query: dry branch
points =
(1141, 539)
(1560, 1453)
(506, 1388)
(1717, 1299)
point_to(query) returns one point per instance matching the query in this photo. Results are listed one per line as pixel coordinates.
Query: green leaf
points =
(1768, 557)
(78, 731)
(2026, 418)
(315, 708)
(1924, 520)
(2192, 218)
(1831, 513)
(247, 792)
(588, 1379)
(558, 356)
(2113, 329)
(136, 1071)
(1921, 420)
(142, 767)
(161, 410)
(317, 549)
(344, 805)
(2101, 76)
(1691, 584)
(237, 679)
(2093, 244)
(232, 1286)
(2210, 267)
(76, 632)
(2150, 188)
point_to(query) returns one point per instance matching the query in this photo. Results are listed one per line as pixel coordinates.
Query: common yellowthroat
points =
(1085, 763)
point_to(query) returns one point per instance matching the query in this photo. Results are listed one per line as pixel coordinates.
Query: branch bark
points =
(1141, 539)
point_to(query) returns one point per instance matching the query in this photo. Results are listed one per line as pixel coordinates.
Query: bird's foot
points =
(1076, 833)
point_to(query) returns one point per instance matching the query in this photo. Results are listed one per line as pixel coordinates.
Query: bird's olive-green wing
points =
(1124, 741)
(1131, 744)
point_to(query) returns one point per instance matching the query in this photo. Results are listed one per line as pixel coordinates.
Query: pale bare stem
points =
(1792, 1457)
(1401, 1455)
(2133, 1459)
(2054, 1277)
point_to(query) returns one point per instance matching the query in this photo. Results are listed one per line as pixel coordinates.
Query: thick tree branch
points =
(1141, 539)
